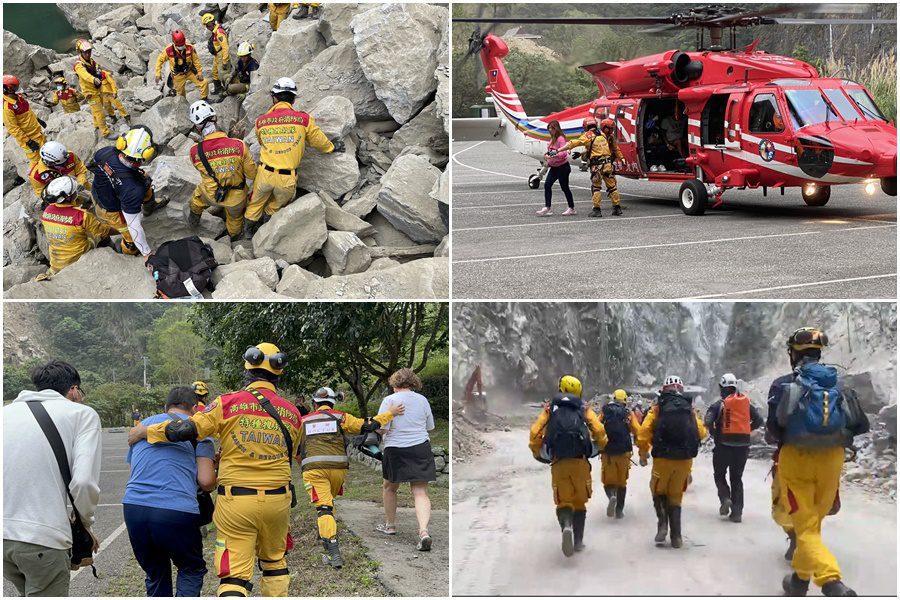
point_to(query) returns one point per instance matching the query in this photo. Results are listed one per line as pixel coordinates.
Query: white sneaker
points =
(569, 212)
(544, 212)
(662, 168)
(653, 169)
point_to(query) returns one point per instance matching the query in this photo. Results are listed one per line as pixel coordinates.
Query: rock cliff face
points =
(373, 75)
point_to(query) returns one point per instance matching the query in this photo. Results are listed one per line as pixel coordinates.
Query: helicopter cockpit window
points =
(866, 105)
(842, 104)
(791, 82)
(808, 107)
(765, 116)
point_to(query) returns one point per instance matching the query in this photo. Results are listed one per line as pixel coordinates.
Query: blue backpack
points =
(813, 409)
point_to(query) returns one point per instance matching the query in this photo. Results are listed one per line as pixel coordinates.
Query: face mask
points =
(60, 87)
(208, 129)
(179, 48)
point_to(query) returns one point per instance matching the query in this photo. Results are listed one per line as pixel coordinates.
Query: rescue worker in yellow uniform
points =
(201, 391)
(600, 158)
(218, 47)
(70, 229)
(810, 459)
(98, 87)
(223, 178)
(323, 459)
(255, 492)
(184, 65)
(55, 162)
(675, 430)
(308, 10)
(65, 95)
(278, 12)
(564, 435)
(20, 120)
(283, 134)
(622, 428)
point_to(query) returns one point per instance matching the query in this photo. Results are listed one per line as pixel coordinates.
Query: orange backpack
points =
(735, 416)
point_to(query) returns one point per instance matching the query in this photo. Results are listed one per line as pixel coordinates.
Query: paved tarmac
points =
(751, 247)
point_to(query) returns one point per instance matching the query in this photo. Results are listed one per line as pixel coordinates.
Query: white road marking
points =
(103, 546)
(561, 201)
(670, 245)
(796, 285)
(564, 221)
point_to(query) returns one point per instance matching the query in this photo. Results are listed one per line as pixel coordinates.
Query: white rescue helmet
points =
(326, 395)
(244, 48)
(673, 380)
(728, 380)
(60, 189)
(53, 153)
(201, 111)
(284, 84)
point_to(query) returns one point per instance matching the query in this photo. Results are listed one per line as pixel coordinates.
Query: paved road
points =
(751, 247)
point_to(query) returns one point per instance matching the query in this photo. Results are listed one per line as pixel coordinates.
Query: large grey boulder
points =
(364, 203)
(427, 278)
(443, 248)
(341, 220)
(441, 193)
(397, 45)
(167, 118)
(264, 268)
(404, 199)
(386, 235)
(294, 281)
(22, 59)
(81, 14)
(119, 51)
(169, 16)
(114, 20)
(251, 26)
(221, 249)
(334, 116)
(19, 236)
(335, 173)
(14, 158)
(336, 72)
(174, 178)
(295, 232)
(16, 274)
(345, 253)
(75, 131)
(295, 43)
(425, 129)
(100, 274)
(442, 75)
(334, 22)
(243, 285)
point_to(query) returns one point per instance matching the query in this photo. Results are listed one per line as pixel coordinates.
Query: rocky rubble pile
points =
(368, 223)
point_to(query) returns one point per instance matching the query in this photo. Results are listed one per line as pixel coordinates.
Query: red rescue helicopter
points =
(715, 119)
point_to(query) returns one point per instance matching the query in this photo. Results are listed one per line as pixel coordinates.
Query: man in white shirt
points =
(37, 534)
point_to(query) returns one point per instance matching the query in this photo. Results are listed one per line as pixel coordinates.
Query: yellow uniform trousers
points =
(34, 156)
(221, 65)
(95, 102)
(116, 220)
(271, 192)
(111, 104)
(247, 528)
(670, 478)
(234, 205)
(603, 175)
(779, 506)
(614, 469)
(323, 485)
(810, 479)
(571, 483)
(179, 80)
(277, 14)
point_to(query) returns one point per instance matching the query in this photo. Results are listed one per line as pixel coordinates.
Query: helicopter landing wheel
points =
(889, 185)
(534, 181)
(693, 197)
(817, 196)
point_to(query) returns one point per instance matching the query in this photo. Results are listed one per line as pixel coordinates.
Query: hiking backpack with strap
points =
(288, 441)
(618, 430)
(567, 434)
(675, 433)
(183, 268)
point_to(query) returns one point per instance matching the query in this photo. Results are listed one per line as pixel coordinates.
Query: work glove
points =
(339, 146)
(33, 145)
(42, 122)
(97, 82)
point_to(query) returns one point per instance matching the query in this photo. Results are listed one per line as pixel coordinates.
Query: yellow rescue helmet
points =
(207, 18)
(82, 45)
(806, 338)
(265, 356)
(620, 395)
(244, 48)
(200, 388)
(569, 384)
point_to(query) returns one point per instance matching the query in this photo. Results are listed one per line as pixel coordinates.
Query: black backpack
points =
(615, 420)
(567, 435)
(675, 434)
(183, 268)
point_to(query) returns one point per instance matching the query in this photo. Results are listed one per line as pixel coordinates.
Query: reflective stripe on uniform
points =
(342, 458)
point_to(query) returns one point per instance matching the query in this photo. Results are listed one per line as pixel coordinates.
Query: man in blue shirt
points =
(160, 503)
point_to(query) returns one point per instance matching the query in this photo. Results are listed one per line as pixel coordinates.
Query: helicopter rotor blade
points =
(797, 21)
(569, 20)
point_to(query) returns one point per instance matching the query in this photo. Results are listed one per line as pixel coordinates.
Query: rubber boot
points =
(735, 516)
(662, 523)
(193, 219)
(724, 506)
(675, 525)
(151, 206)
(302, 13)
(611, 494)
(620, 502)
(794, 586)
(217, 87)
(578, 526)
(792, 546)
(236, 237)
(617, 210)
(596, 213)
(250, 228)
(334, 553)
(565, 518)
(837, 588)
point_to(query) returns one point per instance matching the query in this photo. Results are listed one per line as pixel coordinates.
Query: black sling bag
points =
(267, 406)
